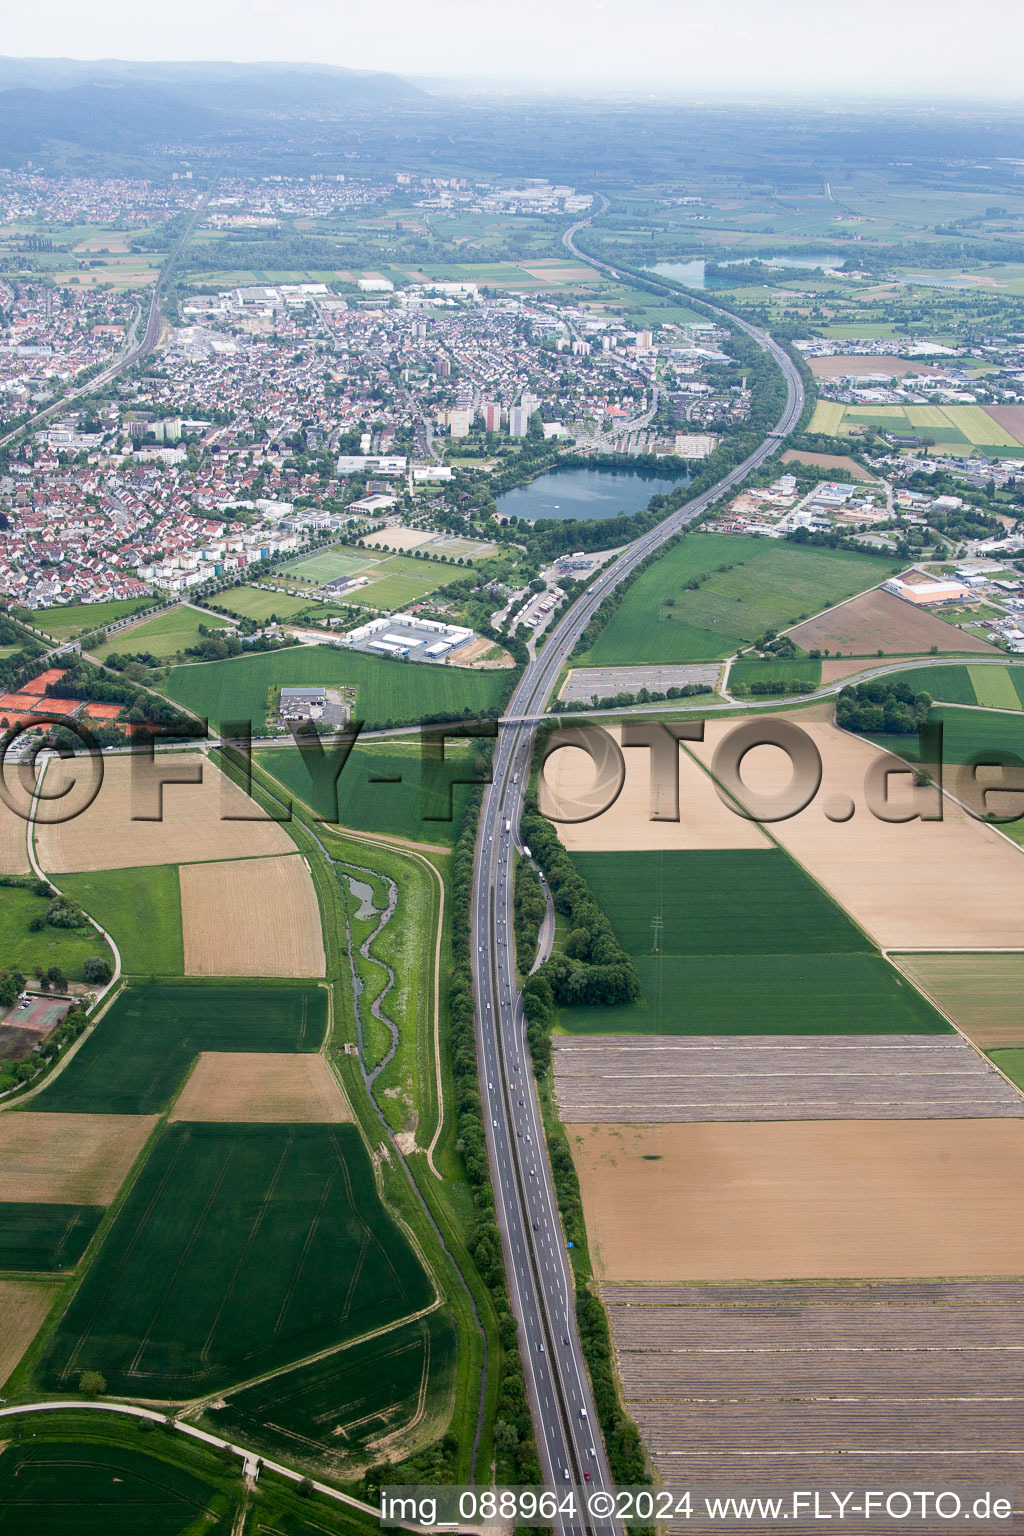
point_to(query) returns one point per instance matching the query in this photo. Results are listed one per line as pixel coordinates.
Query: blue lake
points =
(692, 272)
(585, 493)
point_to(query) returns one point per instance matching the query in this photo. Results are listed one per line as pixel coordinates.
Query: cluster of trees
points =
(767, 688)
(82, 680)
(530, 909)
(15, 668)
(623, 700)
(593, 967)
(882, 706)
(14, 1073)
(61, 911)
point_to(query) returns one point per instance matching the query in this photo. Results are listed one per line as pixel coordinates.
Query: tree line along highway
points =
(568, 1435)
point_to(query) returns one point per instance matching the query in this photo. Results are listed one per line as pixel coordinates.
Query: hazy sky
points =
(897, 47)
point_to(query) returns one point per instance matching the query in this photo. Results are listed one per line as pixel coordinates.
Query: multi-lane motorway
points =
(568, 1435)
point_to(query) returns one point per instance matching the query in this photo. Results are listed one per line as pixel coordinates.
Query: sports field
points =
(69, 1159)
(166, 635)
(382, 787)
(239, 1249)
(328, 565)
(769, 585)
(740, 942)
(141, 1051)
(919, 884)
(880, 621)
(981, 993)
(386, 691)
(140, 909)
(42, 1236)
(401, 580)
(262, 1087)
(23, 1307)
(802, 1199)
(79, 1488)
(357, 1405)
(255, 603)
(251, 917)
(212, 819)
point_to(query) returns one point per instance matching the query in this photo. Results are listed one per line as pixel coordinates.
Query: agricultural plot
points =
(262, 1087)
(62, 1488)
(165, 635)
(790, 1200)
(23, 1307)
(981, 993)
(879, 621)
(747, 585)
(140, 909)
(384, 787)
(386, 691)
(136, 1058)
(704, 822)
(45, 1237)
(251, 917)
(911, 884)
(968, 733)
(238, 1250)
(996, 687)
(209, 819)
(68, 1159)
(715, 958)
(971, 425)
(791, 670)
(255, 603)
(1012, 1063)
(992, 686)
(666, 1078)
(891, 1380)
(361, 1404)
(13, 843)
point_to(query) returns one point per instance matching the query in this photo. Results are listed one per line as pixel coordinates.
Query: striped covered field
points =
(776, 1077)
(853, 1386)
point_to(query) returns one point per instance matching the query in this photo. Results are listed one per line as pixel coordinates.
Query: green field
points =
(1012, 1063)
(398, 809)
(328, 565)
(21, 949)
(965, 732)
(62, 623)
(41, 1237)
(139, 1054)
(386, 691)
(76, 1488)
(402, 580)
(788, 670)
(770, 585)
(166, 635)
(141, 910)
(239, 1249)
(255, 603)
(997, 687)
(993, 687)
(338, 1405)
(747, 945)
(959, 425)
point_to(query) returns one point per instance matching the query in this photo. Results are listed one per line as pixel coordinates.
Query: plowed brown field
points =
(880, 621)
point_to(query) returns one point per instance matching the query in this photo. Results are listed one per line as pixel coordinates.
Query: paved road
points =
(569, 1439)
(133, 349)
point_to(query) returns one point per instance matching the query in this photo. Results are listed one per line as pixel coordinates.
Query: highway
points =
(568, 1436)
(133, 349)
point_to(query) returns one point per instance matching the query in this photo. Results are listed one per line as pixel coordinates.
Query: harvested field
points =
(260, 1088)
(704, 822)
(802, 1200)
(23, 1306)
(911, 885)
(771, 1077)
(68, 1159)
(980, 993)
(847, 467)
(889, 367)
(764, 1387)
(880, 621)
(251, 918)
(13, 850)
(194, 824)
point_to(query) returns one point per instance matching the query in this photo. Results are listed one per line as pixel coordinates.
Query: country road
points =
(541, 1287)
